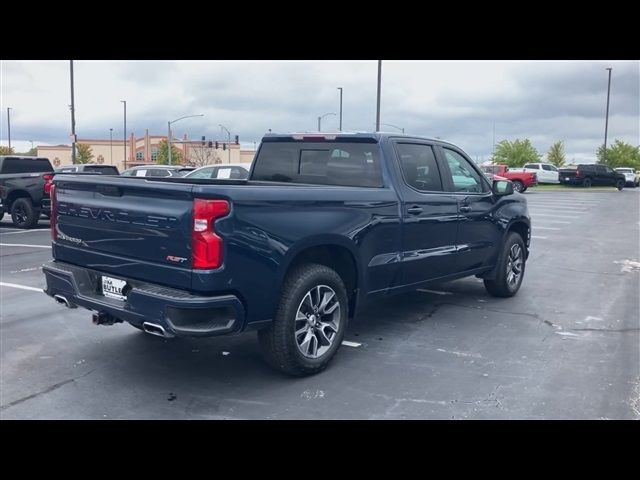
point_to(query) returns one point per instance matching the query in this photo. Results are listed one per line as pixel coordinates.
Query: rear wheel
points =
(620, 184)
(510, 268)
(586, 183)
(24, 214)
(310, 321)
(518, 186)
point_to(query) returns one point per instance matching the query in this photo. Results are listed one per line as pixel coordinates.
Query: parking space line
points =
(534, 214)
(544, 228)
(21, 287)
(26, 231)
(554, 221)
(347, 343)
(541, 238)
(23, 245)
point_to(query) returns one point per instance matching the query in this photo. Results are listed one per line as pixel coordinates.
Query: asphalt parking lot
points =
(567, 346)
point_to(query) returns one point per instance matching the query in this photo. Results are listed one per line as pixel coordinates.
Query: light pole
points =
(606, 122)
(320, 120)
(125, 133)
(394, 126)
(9, 126)
(340, 127)
(31, 144)
(379, 86)
(73, 116)
(111, 145)
(229, 136)
(169, 133)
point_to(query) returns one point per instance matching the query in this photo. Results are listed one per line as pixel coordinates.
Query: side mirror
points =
(502, 187)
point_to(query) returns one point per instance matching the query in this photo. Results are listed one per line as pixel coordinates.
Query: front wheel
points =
(586, 183)
(309, 323)
(518, 186)
(620, 184)
(510, 268)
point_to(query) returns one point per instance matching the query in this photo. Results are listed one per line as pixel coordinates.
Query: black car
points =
(25, 183)
(89, 168)
(157, 171)
(588, 175)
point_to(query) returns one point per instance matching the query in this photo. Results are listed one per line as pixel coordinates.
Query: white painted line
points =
(347, 343)
(434, 291)
(544, 228)
(555, 208)
(535, 214)
(26, 231)
(541, 238)
(22, 287)
(23, 245)
(554, 221)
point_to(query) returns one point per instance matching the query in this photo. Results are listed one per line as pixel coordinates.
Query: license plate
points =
(566, 178)
(112, 287)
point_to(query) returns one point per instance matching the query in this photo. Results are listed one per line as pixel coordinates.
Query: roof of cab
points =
(377, 136)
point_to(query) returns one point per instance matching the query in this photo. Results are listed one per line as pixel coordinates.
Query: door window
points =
(463, 176)
(419, 167)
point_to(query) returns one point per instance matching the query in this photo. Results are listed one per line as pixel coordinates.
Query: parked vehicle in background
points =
(632, 178)
(588, 175)
(158, 171)
(545, 172)
(25, 183)
(89, 168)
(232, 171)
(324, 222)
(521, 180)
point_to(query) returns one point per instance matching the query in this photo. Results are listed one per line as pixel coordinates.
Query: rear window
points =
(26, 165)
(102, 170)
(320, 163)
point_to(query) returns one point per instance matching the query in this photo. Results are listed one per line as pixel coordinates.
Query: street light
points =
(320, 120)
(73, 115)
(125, 133)
(229, 143)
(606, 122)
(379, 88)
(169, 133)
(9, 126)
(340, 127)
(111, 145)
(394, 126)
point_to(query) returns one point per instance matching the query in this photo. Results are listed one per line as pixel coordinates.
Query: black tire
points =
(500, 286)
(620, 184)
(524, 190)
(1, 214)
(518, 186)
(279, 342)
(24, 214)
(586, 183)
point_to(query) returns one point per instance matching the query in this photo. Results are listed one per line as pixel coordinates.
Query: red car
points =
(521, 180)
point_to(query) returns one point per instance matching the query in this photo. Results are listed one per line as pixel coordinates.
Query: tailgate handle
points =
(109, 190)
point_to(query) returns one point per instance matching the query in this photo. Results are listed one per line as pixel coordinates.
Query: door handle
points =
(465, 208)
(415, 210)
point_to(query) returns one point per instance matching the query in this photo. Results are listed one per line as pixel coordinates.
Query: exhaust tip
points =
(62, 300)
(154, 329)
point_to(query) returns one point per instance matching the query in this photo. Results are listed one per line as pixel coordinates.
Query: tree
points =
(620, 154)
(84, 154)
(201, 156)
(516, 153)
(556, 154)
(6, 150)
(163, 154)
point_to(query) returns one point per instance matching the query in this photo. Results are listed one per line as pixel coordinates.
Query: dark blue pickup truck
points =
(324, 222)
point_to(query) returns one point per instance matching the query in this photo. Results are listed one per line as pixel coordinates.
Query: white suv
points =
(546, 172)
(630, 176)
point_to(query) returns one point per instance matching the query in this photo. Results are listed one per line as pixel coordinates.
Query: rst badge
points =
(173, 259)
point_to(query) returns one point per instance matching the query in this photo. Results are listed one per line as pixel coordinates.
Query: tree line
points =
(519, 152)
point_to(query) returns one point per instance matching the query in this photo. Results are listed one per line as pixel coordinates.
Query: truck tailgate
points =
(131, 227)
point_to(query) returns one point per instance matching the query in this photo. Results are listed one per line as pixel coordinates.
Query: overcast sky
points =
(459, 101)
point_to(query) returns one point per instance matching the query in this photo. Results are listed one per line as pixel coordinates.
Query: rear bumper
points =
(178, 312)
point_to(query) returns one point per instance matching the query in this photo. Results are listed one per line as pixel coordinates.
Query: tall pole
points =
(73, 116)
(111, 145)
(379, 85)
(319, 121)
(606, 122)
(9, 126)
(493, 148)
(169, 142)
(125, 133)
(340, 127)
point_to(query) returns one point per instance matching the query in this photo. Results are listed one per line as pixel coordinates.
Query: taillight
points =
(577, 173)
(48, 179)
(207, 247)
(54, 213)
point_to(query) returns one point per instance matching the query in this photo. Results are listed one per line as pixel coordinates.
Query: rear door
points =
(477, 235)
(429, 215)
(134, 228)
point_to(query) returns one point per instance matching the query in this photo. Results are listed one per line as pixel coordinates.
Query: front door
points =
(429, 215)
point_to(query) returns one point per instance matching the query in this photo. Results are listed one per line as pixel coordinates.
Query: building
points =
(144, 151)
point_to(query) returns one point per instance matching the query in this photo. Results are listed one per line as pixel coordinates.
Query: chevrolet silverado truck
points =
(322, 224)
(25, 183)
(587, 175)
(521, 180)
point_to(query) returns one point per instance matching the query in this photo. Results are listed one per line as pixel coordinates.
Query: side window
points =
(203, 173)
(67, 170)
(158, 172)
(547, 167)
(463, 176)
(419, 167)
(223, 173)
(531, 165)
(141, 173)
